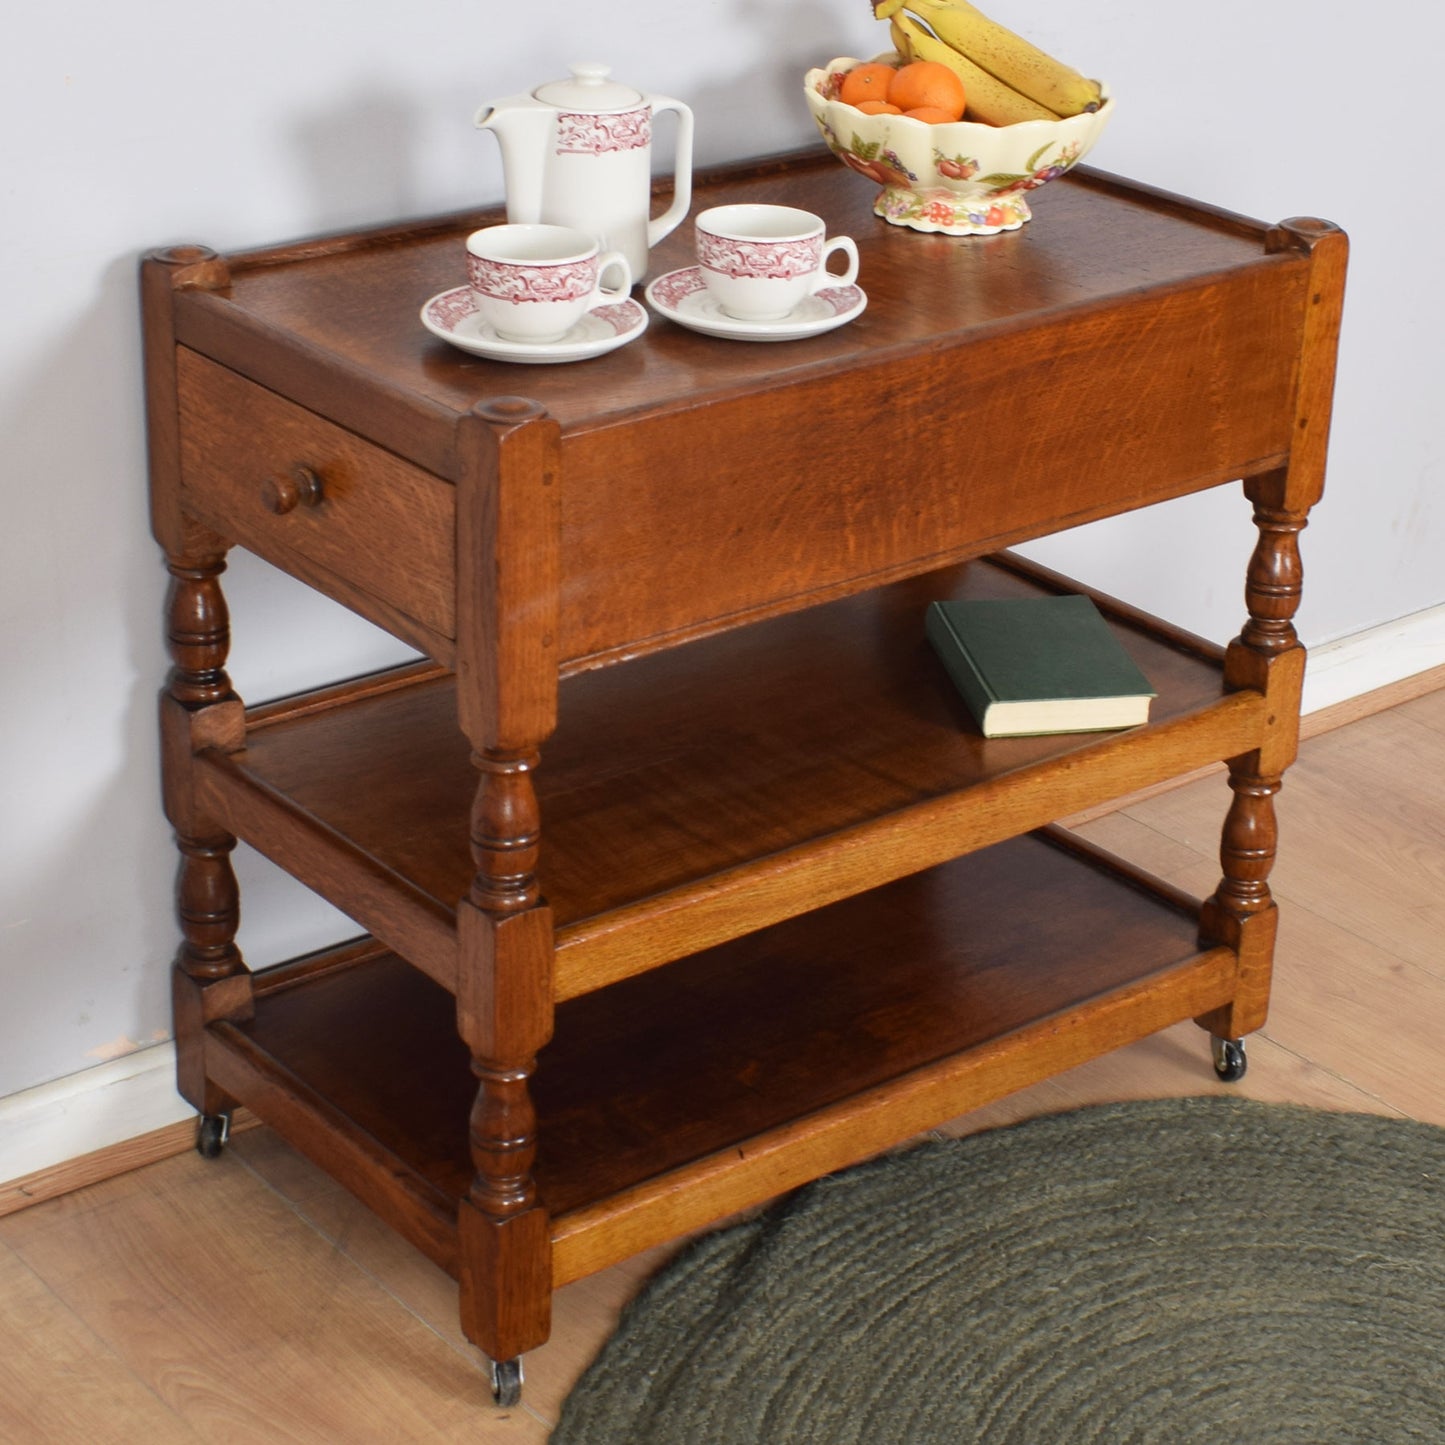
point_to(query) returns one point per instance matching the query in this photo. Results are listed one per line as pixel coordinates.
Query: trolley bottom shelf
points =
(720, 1080)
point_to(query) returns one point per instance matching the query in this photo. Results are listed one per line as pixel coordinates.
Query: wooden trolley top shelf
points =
(349, 304)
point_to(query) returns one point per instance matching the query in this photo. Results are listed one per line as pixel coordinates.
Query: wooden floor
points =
(250, 1300)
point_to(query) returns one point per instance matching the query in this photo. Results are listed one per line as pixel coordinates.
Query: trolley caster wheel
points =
(1229, 1060)
(506, 1379)
(212, 1132)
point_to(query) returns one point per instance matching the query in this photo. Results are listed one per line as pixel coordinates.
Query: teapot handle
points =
(669, 220)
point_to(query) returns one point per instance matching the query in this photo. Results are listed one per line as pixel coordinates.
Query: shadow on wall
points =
(762, 112)
(84, 925)
(357, 158)
(87, 865)
(376, 155)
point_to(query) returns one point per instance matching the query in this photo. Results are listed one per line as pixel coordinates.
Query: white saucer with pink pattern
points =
(682, 296)
(452, 316)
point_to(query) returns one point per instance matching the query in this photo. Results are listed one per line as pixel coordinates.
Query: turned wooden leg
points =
(199, 709)
(1248, 844)
(1274, 582)
(504, 1005)
(208, 907)
(198, 632)
(1242, 912)
(1267, 655)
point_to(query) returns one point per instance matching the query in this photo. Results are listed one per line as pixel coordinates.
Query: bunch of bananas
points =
(1005, 78)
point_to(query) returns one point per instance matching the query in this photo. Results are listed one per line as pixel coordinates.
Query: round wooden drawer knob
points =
(300, 488)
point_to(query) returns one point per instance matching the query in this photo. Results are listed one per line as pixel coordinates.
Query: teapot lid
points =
(589, 90)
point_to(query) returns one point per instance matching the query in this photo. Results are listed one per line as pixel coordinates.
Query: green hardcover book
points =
(1038, 665)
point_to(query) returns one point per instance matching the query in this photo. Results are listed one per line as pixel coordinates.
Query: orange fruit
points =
(877, 107)
(869, 81)
(931, 114)
(927, 84)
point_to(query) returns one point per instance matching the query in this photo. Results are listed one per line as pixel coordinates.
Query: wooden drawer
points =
(379, 524)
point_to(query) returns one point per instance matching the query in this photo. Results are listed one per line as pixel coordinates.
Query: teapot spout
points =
(521, 126)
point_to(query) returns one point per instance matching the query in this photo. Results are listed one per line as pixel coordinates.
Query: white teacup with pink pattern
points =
(534, 283)
(760, 261)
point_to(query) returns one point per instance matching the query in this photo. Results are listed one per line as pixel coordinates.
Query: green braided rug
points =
(1210, 1270)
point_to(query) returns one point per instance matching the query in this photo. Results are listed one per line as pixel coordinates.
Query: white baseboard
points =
(94, 1109)
(1366, 661)
(121, 1100)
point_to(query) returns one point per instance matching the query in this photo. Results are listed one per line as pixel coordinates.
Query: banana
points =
(1006, 56)
(989, 99)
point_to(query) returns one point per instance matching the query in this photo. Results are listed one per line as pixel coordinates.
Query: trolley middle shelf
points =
(693, 795)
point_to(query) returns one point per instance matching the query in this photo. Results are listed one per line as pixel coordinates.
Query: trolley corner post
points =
(198, 708)
(1268, 655)
(508, 540)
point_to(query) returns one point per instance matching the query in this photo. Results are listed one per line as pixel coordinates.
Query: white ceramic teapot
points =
(578, 152)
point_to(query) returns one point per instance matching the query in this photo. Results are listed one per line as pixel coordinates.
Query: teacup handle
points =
(825, 277)
(606, 262)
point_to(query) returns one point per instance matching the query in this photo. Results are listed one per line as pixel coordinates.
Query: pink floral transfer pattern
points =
(672, 290)
(772, 260)
(621, 316)
(518, 282)
(596, 135)
(838, 299)
(453, 307)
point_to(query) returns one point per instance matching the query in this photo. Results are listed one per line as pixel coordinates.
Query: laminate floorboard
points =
(250, 1299)
(59, 1381)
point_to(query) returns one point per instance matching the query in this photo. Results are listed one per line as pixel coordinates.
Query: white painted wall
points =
(131, 126)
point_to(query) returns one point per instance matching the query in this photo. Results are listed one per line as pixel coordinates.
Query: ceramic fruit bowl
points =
(960, 177)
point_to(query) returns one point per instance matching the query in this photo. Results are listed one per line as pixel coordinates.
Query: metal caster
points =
(212, 1132)
(1229, 1060)
(506, 1378)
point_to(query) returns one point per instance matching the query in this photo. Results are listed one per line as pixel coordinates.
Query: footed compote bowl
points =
(961, 177)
